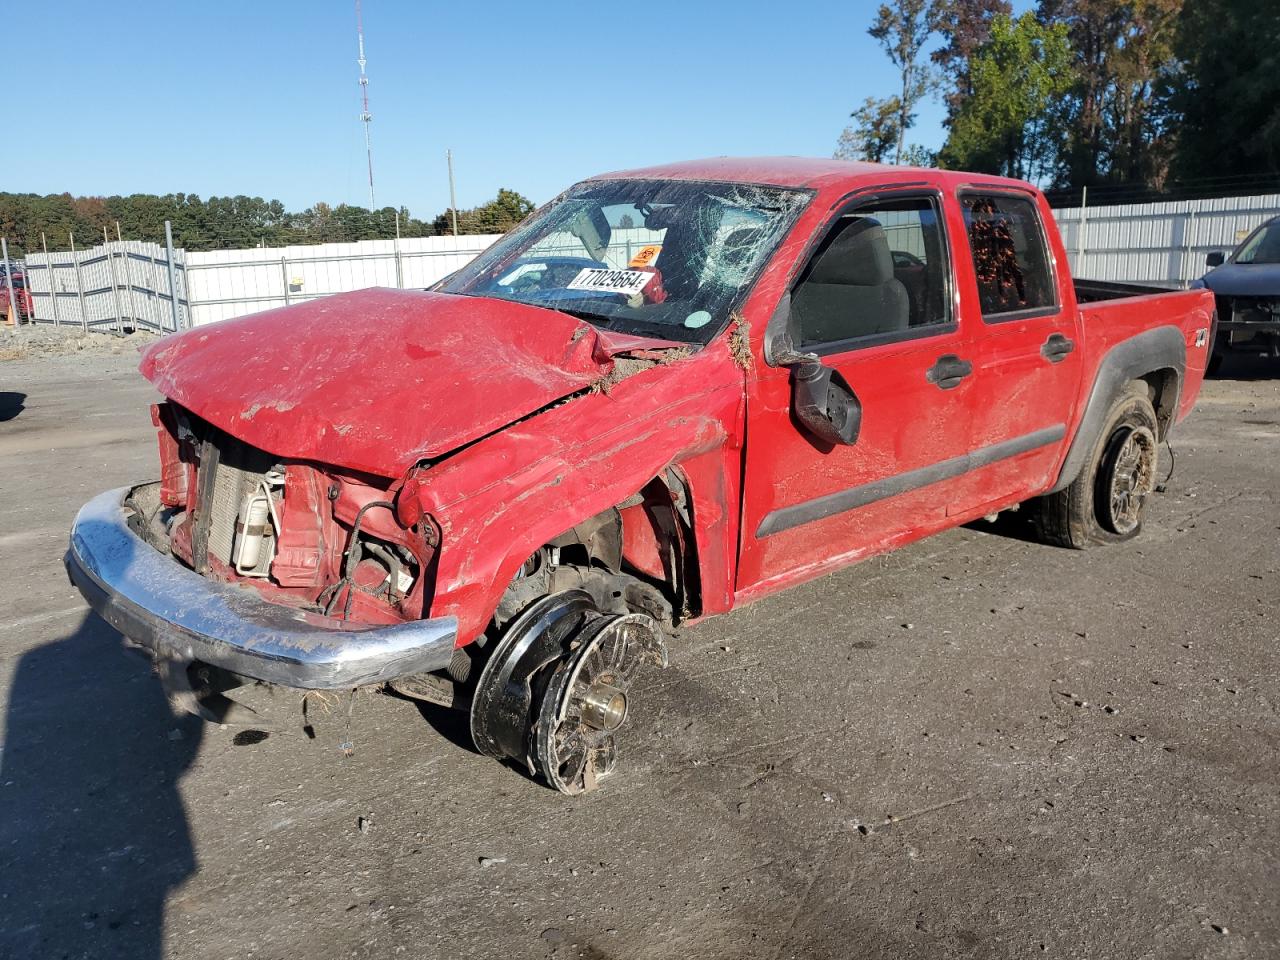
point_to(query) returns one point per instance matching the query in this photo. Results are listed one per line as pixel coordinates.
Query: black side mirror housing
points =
(824, 403)
(1215, 259)
(821, 401)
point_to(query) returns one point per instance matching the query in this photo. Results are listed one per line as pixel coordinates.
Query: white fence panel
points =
(1160, 243)
(231, 283)
(120, 285)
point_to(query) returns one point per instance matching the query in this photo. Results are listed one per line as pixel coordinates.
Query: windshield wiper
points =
(595, 319)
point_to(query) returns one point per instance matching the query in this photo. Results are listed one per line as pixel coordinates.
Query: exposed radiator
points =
(238, 472)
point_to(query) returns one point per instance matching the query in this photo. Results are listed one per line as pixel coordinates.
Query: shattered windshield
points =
(656, 258)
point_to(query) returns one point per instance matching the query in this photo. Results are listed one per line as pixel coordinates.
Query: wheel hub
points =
(604, 707)
(1128, 478)
(586, 701)
(554, 694)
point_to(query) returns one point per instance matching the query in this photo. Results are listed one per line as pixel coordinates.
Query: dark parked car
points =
(1247, 287)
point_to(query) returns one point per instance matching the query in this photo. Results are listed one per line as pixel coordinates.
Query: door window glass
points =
(879, 275)
(1009, 254)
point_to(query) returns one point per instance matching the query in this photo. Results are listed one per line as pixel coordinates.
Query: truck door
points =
(1027, 361)
(875, 303)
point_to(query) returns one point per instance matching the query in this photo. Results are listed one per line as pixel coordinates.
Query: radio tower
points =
(365, 115)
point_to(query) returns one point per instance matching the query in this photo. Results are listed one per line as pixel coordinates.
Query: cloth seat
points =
(850, 290)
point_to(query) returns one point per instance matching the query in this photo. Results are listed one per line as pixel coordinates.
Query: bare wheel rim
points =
(575, 749)
(505, 701)
(1127, 478)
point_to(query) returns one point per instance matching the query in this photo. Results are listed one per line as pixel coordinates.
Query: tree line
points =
(1081, 93)
(221, 223)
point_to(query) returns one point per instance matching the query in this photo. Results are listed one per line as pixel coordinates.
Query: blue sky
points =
(262, 98)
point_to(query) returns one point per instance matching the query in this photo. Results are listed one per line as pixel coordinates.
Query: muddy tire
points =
(1107, 502)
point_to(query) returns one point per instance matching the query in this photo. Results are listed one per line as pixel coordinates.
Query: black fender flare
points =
(1152, 351)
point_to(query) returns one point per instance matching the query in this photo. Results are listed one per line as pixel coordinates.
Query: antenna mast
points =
(365, 115)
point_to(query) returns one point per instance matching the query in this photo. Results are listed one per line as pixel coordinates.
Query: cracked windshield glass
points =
(657, 258)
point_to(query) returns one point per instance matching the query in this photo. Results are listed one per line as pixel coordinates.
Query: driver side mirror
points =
(822, 401)
(1215, 259)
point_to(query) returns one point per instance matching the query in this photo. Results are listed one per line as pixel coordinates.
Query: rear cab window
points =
(1010, 256)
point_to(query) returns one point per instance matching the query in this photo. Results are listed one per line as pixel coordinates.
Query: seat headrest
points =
(859, 256)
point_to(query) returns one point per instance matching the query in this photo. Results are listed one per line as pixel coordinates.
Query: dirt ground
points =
(33, 341)
(974, 747)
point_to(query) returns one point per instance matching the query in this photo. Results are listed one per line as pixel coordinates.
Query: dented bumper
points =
(181, 616)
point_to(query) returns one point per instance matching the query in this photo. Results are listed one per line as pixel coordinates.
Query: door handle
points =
(948, 371)
(1056, 348)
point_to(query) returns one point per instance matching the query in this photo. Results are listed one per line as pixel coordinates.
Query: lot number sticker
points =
(610, 281)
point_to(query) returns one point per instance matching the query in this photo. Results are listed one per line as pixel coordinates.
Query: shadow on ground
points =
(1247, 366)
(1011, 524)
(93, 835)
(11, 404)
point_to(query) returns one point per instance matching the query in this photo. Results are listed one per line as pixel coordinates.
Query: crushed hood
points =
(379, 379)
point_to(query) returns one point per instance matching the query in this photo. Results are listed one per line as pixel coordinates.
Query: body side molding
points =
(820, 508)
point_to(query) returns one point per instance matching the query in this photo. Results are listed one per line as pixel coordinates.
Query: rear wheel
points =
(1107, 502)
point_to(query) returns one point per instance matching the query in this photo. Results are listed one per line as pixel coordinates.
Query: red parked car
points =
(21, 298)
(500, 493)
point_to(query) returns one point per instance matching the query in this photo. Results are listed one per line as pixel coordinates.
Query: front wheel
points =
(1107, 501)
(554, 692)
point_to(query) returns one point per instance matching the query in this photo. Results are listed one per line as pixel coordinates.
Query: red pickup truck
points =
(669, 392)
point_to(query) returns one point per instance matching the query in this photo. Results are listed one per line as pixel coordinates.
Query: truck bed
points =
(1112, 313)
(1093, 291)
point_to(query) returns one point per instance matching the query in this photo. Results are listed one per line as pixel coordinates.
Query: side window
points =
(881, 273)
(1009, 254)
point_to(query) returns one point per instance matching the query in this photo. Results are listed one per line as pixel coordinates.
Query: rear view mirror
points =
(1215, 259)
(592, 228)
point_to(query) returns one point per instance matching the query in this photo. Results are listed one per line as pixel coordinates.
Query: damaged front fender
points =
(500, 500)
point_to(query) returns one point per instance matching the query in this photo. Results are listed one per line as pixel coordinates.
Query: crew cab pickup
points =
(667, 393)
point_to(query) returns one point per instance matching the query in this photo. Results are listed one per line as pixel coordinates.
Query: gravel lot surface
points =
(973, 747)
(32, 341)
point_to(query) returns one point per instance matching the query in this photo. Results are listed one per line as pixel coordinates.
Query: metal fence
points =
(126, 285)
(121, 285)
(1158, 243)
(130, 284)
(231, 283)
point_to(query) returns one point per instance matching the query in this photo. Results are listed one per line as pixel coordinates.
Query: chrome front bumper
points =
(181, 616)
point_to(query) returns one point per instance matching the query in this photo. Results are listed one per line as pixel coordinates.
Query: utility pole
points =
(365, 115)
(453, 201)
